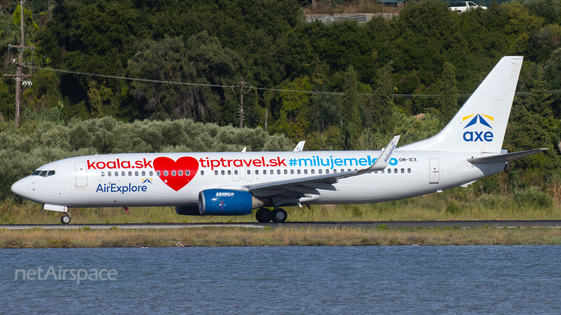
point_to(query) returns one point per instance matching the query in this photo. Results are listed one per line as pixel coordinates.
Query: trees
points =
(382, 107)
(449, 93)
(351, 125)
(201, 60)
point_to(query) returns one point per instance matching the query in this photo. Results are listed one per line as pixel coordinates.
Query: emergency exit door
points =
(81, 174)
(434, 171)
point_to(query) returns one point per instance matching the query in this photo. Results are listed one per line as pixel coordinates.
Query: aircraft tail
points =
(480, 125)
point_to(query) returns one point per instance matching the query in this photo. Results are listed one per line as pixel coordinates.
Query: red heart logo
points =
(176, 174)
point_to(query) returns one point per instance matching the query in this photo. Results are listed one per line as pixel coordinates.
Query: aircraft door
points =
(236, 176)
(248, 174)
(81, 174)
(434, 171)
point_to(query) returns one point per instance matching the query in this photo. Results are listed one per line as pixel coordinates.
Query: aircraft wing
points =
(309, 185)
(504, 157)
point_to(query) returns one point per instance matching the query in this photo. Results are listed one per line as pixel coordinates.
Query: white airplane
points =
(235, 183)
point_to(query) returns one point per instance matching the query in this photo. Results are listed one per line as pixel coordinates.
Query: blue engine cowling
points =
(227, 202)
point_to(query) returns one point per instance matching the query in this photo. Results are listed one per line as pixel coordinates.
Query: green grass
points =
(235, 236)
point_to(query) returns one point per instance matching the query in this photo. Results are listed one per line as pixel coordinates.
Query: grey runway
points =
(349, 224)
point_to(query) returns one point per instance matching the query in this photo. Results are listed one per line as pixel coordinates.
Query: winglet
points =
(299, 146)
(384, 159)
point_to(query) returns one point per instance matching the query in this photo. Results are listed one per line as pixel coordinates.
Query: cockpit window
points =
(44, 173)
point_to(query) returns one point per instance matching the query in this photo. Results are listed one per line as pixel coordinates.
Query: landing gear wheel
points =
(263, 215)
(279, 215)
(65, 219)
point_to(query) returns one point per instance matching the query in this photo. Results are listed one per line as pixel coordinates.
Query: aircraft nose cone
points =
(21, 187)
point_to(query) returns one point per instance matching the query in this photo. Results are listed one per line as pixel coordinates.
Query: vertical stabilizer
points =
(480, 125)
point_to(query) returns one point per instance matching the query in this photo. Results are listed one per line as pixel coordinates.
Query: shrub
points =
(452, 208)
(533, 197)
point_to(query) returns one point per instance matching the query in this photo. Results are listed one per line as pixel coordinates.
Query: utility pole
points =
(266, 116)
(242, 85)
(19, 76)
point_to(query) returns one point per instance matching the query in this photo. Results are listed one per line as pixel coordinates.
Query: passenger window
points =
(222, 172)
(166, 173)
(334, 171)
(326, 171)
(402, 170)
(102, 174)
(109, 174)
(229, 172)
(215, 172)
(202, 172)
(285, 172)
(395, 170)
(135, 173)
(123, 173)
(305, 171)
(151, 174)
(173, 173)
(51, 173)
(291, 171)
(130, 173)
(408, 170)
(256, 172)
(298, 171)
(143, 173)
(343, 171)
(389, 170)
(158, 173)
(116, 174)
(319, 171)
(235, 172)
(248, 172)
(179, 173)
(313, 171)
(272, 172)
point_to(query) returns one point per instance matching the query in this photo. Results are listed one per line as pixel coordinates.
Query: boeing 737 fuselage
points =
(235, 183)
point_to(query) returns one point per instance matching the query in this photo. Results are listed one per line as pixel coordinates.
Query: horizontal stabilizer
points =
(505, 157)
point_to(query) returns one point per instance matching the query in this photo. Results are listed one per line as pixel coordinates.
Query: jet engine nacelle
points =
(227, 202)
(221, 202)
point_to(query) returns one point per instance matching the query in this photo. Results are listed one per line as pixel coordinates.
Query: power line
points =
(257, 88)
(124, 78)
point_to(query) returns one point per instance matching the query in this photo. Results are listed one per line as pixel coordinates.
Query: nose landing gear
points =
(65, 219)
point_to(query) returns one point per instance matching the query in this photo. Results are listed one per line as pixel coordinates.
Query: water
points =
(326, 280)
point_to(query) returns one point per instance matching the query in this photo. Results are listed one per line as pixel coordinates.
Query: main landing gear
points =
(65, 219)
(264, 215)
